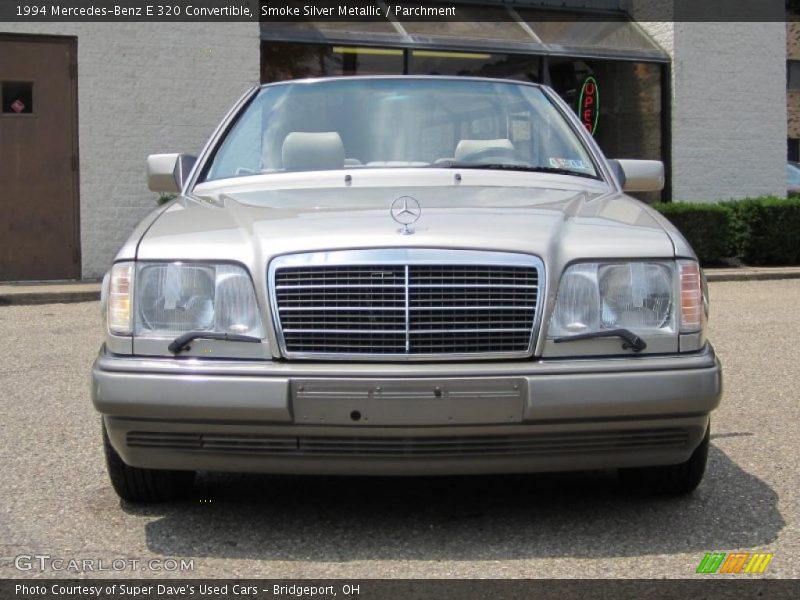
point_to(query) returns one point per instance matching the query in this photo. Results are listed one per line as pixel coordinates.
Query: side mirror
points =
(168, 172)
(640, 175)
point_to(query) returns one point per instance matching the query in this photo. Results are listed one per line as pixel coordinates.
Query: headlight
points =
(637, 296)
(175, 298)
(578, 305)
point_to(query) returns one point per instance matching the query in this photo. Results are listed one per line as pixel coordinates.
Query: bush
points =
(766, 231)
(707, 227)
(756, 231)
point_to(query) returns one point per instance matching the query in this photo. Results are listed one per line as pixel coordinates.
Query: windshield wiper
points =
(631, 340)
(181, 343)
(455, 164)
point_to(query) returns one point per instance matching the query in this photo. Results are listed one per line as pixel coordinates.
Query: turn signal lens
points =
(120, 295)
(692, 308)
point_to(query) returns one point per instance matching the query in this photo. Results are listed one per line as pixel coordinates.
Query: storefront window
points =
(476, 64)
(281, 61)
(352, 123)
(621, 105)
(627, 121)
(793, 74)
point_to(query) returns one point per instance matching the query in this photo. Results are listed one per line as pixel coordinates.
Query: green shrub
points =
(755, 231)
(164, 198)
(766, 231)
(706, 226)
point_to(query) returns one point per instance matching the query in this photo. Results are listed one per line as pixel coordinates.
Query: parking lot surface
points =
(55, 498)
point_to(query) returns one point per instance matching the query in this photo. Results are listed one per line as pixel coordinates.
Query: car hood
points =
(252, 226)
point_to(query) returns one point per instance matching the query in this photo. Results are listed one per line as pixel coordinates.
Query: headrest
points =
(303, 151)
(467, 147)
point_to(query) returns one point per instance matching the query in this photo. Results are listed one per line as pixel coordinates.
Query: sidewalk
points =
(48, 293)
(65, 292)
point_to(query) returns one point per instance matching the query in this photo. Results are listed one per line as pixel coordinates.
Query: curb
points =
(25, 299)
(713, 275)
(42, 293)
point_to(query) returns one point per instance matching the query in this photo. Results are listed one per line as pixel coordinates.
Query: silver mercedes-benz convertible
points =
(404, 276)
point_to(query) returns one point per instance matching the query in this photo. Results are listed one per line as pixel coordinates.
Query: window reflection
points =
(630, 115)
(629, 123)
(476, 64)
(399, 122)
(282, 61)
(16, 97)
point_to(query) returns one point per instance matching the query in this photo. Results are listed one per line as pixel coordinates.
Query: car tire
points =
(135, 484)
(669, 480)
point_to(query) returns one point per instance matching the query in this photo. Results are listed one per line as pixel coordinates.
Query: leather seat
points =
(467, 147)
(307, 151)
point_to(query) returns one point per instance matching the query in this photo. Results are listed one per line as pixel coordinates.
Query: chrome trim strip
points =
(408, 315)
(160, 365)
(407, 330)
(340, 308)
(399, 308)
(502, 286)
(407, 257)
(400, 286)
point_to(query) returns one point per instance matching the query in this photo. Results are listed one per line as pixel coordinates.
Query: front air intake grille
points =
(584, 442)
(400, 308)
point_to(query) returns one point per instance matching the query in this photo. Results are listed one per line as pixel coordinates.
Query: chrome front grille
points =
(406, 303)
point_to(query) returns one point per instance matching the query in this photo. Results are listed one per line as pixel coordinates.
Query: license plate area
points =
(404, 402)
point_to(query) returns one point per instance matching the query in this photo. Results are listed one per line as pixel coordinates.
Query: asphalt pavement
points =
(55, 499)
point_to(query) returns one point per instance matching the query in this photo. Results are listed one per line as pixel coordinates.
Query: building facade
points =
(793, 86)
(709, 99)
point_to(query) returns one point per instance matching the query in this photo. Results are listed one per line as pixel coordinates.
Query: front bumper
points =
(406, 419)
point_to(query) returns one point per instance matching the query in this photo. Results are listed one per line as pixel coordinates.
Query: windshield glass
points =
(378, 123)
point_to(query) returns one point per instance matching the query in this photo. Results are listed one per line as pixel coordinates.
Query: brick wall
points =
(793, 38)
(793, 113)
(729, 120)
(728, 108)
(142, 89)
(793, 96)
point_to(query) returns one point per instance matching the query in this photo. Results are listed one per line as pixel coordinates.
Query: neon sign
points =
(589, 104)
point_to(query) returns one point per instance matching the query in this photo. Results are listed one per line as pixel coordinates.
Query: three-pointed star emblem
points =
(406, 211)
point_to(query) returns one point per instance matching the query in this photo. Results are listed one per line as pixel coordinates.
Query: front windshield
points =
(378, 123)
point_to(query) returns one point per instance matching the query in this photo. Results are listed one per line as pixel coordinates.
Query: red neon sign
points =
(589, 104)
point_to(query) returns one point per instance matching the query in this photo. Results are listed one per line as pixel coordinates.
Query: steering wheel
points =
(500, 152)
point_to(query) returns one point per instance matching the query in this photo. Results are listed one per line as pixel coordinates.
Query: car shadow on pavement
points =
(459, 518)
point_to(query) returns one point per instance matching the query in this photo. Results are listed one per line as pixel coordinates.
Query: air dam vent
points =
(405, 304)
(414, 447)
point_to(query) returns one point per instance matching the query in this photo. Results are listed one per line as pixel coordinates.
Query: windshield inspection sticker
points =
(568, 163)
